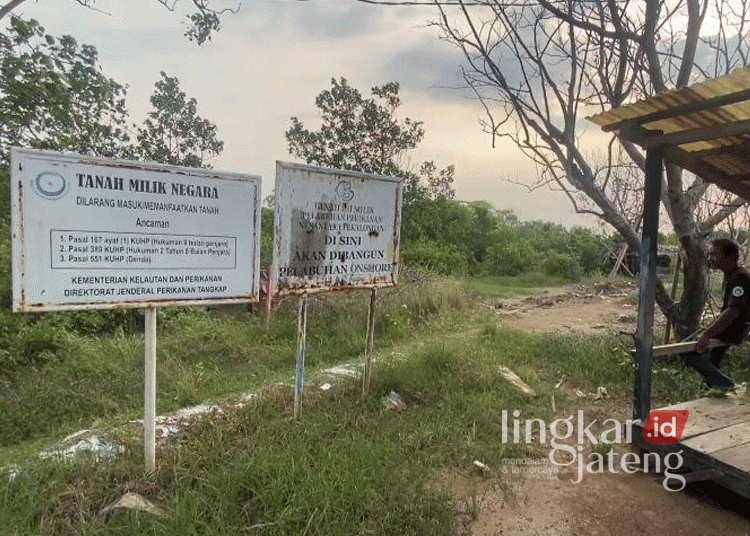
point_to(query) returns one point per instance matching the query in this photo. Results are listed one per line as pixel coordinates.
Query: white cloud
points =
(269, 62)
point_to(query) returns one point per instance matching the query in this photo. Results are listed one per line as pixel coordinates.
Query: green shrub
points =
(441, 258)
(266, 238)
(510, 258)
(561, 265)
(5, 266)
(589, 249)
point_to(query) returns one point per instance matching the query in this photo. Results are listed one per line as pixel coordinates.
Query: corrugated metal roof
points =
(704, 128)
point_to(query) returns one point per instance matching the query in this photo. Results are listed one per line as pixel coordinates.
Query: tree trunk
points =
(686, 315)
(603, 54)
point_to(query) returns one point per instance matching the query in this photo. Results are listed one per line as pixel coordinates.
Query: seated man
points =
(732, 323)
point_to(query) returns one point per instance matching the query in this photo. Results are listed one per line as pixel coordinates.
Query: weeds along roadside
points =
(61, 372)
(347, 466)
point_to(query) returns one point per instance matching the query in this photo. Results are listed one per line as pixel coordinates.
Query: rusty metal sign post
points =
(367, 373)
(334, 229)
(93, 233)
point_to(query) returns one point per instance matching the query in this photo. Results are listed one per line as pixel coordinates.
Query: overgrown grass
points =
(201, 355)
(495, 286)
(345, 467)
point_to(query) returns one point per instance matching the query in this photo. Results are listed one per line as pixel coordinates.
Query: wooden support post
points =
(149, 413)
(268, 301)
(619, 260)
(299, 371)
(367, 375)
(644, 338)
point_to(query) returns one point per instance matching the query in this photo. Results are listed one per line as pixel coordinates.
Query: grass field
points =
(509, 287)
(345, 467)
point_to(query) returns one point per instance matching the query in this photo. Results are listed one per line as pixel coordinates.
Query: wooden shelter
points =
(705, 129)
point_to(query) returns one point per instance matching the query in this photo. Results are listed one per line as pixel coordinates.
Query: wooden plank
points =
(682, 347)
(724, 438)
(732, 462)
(682, 137)
(720, 419)
(738, 457)
(709, 414)
(513, 378)
(705, 404)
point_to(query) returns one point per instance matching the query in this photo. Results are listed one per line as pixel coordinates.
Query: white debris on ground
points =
(513, 378)
(394, 402)
(342, 371)
(601, 394)
(85, 441)
(328, 379)
(168, 427)
(483, 468)
(132, 502)
(12, 470)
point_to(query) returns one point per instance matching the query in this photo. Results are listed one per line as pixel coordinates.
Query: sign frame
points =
(235, 259)
(324, 200)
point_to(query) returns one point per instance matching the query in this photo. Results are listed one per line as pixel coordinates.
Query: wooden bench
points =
(682, 347)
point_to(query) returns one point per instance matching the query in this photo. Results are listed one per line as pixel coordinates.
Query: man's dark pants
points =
(707, 364)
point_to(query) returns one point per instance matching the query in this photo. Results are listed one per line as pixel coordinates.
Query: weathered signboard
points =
(334, 229)
(90, 232)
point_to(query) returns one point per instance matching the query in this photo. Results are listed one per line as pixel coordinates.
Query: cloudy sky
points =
(271, 59)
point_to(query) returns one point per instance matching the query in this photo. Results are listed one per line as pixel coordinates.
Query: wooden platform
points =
(715, 441)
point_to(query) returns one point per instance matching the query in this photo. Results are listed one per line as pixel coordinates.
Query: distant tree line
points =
(437, 232)
(54, 95)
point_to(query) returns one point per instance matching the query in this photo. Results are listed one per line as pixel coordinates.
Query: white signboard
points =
(104, 233)
(334, 229)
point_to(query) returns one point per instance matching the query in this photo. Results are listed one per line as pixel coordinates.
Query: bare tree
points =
(203, 22)
(540, 67)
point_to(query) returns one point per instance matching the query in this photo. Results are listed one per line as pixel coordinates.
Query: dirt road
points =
(551, 504)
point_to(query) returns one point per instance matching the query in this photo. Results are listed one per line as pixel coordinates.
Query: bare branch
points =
(10, 6)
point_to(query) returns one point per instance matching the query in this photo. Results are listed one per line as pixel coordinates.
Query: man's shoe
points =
(719, 391)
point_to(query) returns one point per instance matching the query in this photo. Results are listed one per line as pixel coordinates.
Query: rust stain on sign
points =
(334, 229)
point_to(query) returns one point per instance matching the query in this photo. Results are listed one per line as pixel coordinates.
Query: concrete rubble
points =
(329, 378)
(168, 426)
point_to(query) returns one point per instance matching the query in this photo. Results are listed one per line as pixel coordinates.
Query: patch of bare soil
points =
(599, 505)
(579, 308)
(539, 503)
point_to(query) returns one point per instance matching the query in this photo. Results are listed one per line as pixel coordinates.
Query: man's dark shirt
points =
(737, 294)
